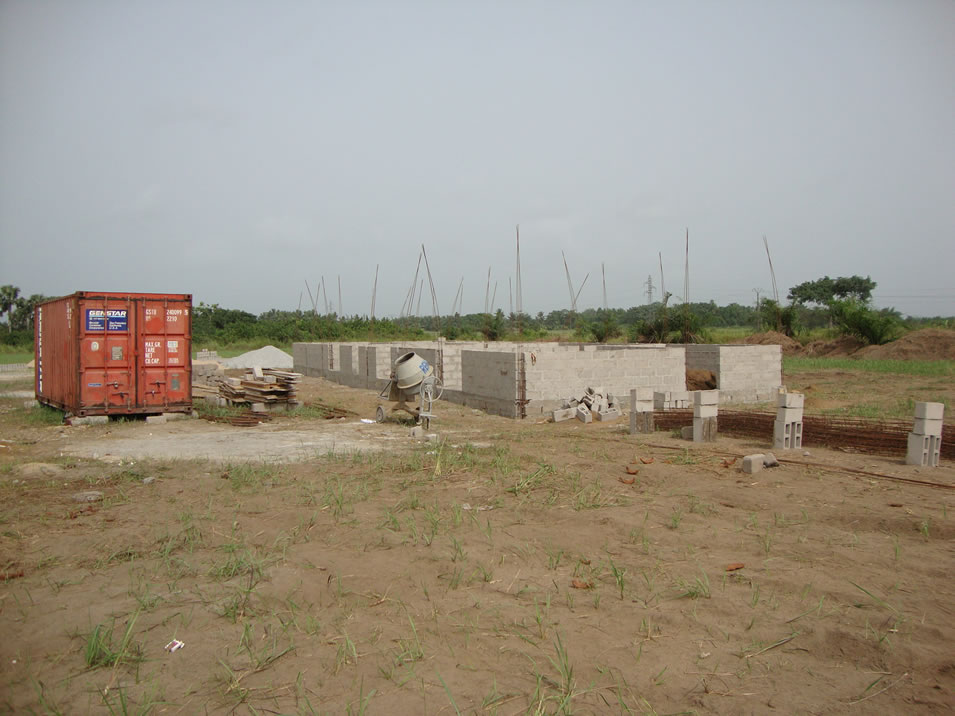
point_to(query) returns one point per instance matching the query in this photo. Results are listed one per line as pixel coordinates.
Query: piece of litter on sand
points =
(174, 645)
(368, 421)
(479, 508)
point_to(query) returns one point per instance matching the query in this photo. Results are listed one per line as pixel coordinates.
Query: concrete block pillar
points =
(641, 410)
(925, 440)
(705, 409)
(787, 430)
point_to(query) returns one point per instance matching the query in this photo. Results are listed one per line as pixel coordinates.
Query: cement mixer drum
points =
(410, 370)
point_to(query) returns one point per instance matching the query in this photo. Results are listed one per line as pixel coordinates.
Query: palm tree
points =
(8, 300)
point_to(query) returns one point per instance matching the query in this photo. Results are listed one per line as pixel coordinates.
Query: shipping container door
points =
(106, 327)
(164, 359)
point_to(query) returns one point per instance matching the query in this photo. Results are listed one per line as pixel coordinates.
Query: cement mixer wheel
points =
(380, 415)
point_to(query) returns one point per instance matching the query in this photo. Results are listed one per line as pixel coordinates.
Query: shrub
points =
(855, 318)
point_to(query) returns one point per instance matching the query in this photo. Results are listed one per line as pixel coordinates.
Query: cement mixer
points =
(412, 379)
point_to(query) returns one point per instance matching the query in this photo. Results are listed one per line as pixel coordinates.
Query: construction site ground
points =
(324, 566)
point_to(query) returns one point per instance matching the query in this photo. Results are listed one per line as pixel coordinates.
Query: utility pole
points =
(759, 315)
(649, 285)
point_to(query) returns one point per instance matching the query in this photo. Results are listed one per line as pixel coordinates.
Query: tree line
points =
(842, 303)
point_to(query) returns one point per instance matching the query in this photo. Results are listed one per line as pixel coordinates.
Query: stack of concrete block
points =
(206, 372)
(641, 410)
(671, 400)
(207, 355)
(787, 430)
(595, 402)
(925, 440)
(705, 408)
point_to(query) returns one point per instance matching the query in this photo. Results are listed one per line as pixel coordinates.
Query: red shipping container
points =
(114, 353)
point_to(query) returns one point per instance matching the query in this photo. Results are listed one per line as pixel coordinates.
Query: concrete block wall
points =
(347, 364)
(744, 373)
(300, 356)
(489, 381)
(552, 375)
(750, 374)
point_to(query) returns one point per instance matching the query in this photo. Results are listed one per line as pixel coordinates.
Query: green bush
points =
(855, 318)
(605, 328)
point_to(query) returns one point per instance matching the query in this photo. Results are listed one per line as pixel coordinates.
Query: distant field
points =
(11, 355)
(798, 364)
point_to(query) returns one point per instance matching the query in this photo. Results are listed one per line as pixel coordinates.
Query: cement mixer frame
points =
(412, 379)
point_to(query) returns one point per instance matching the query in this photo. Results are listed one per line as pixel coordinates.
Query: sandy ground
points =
(198, 440)
(507, 568)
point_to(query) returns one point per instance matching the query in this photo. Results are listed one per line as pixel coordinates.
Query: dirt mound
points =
(700, 380)
(789, 346)
(926, 344)
(837, 347)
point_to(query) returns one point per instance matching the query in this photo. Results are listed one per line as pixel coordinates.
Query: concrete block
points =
(928, 426)
(608, 414)
(934, 450)
(98, 419)
(704, 429)
(918, 449)
(787, 436)
(705, 411)
(563, 414)
(789, 415)
(583, 414)
(417, 432)
(686, 432)
(791, 400)
(706, 397)
(769, 460)
(259, 408)
(175, 416)
(930, 411)
(30, 404)
(753, 463)
(639, 394)
(642, 406)
(155, 419)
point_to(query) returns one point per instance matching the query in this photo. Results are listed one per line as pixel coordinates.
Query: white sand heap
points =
(267, 357)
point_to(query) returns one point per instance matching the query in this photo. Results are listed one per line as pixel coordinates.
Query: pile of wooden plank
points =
(268, 389)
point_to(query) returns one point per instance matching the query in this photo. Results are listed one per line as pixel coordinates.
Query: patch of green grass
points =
(210, 412)
(309, 411)
(44, 415)
(800, 364)
(730, 334)
(99, 649)
(903, 409)
(14, 354)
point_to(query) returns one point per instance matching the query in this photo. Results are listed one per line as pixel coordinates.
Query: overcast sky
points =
(234, 150)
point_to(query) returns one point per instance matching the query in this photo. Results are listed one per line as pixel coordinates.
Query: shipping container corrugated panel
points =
(111, 353)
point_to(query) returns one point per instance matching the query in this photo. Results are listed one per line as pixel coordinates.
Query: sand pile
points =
(789, 346)
(834, 348)
(266, 357)
(925, 344)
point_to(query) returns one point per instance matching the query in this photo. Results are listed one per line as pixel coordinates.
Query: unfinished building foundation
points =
(518, 380)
